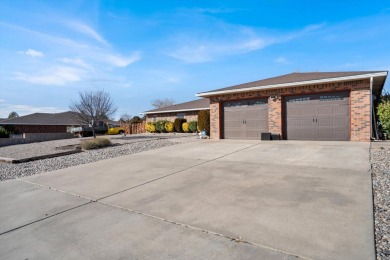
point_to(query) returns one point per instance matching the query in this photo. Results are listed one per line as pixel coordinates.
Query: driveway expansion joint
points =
(233, 239)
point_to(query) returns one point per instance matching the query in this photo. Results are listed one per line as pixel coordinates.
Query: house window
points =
(180, 115)
(154, 118)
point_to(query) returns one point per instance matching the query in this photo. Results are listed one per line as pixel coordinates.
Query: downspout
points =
(371, 104)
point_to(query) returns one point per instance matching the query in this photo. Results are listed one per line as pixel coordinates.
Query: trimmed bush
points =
(150, 127)
(169, 127)
(4, 132)
(160, 126)
(186, 127)
(193, 125)
(179, 124)
(204, 121)
(384, 115)
(95, 143)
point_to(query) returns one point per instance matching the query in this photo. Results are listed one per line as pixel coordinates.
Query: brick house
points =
(43, 122)
(188, 110)
(298, 106)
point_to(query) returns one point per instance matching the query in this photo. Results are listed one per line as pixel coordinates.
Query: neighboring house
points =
(298, 106)
(43, 122)
(188, 110)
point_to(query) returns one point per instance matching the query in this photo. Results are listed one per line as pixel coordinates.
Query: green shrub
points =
(193, 126)
(4, 132)
(169, 127)
(95, 143)
(204, 121)
(150, 127)
(185, 127)
(160, 126)
(179, 124)
(384, 115)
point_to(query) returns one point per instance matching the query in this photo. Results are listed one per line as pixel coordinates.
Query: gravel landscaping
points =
(124, 145)
(380, 161)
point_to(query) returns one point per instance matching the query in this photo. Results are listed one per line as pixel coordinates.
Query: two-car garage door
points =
(324, 116)
(317, 117)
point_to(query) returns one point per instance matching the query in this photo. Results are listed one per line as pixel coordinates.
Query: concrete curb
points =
(35, 158)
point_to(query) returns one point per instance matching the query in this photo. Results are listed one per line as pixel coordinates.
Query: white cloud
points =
(120, 61)
(87, 30)
(32, 53)
(27, 109)
(78, 62)
(208, 51)
(53, 76)
(227, 40)
(282, 60)
(2, 100)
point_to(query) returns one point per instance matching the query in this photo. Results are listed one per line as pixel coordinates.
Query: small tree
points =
(204, 121)
(13, 114)
(178, 123)
(93, 106)
(125, 118)
(136, 120)
(163, 102)
(384, 115)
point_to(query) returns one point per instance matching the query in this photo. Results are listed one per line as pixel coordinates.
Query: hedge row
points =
(180, 125)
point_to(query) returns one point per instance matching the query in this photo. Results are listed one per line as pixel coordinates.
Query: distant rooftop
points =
(65, 118)
(199, 104)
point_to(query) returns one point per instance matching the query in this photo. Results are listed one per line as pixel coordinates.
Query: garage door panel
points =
(300, 122)
(341, 110)
(300, 111)
(332, 135)
(318, 117)
(302, 134)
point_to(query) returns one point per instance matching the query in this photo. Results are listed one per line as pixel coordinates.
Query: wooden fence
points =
(134, 128)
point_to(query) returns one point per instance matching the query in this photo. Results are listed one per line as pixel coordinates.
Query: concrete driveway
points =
(205, 199)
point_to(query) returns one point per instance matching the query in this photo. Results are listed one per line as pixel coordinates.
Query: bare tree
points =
(125, 118)
(93, 106)
(13, 114)
(163, 102)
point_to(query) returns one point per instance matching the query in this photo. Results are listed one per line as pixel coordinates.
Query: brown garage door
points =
(245, 119)
(317, 117)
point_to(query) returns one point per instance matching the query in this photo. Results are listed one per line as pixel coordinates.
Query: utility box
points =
(275, 136)
(266, 136)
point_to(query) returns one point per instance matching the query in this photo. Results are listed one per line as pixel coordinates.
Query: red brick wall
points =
(359, 100)
(360, 115)
(275, 114)
(215, 107)
(189, 115)
(40, 129)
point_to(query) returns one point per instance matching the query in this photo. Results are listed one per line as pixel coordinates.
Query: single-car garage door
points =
(245, 119)
(317, 117)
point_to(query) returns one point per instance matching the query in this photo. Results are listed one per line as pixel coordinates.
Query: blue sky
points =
(142, 50)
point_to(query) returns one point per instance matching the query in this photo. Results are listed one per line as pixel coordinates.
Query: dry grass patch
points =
(95, 143)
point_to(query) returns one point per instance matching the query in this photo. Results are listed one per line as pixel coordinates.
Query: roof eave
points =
(171, 111)
(291, 84)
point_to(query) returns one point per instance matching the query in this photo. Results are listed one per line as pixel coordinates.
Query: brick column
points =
(360, 115)
(214, 119)
(275, 115)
